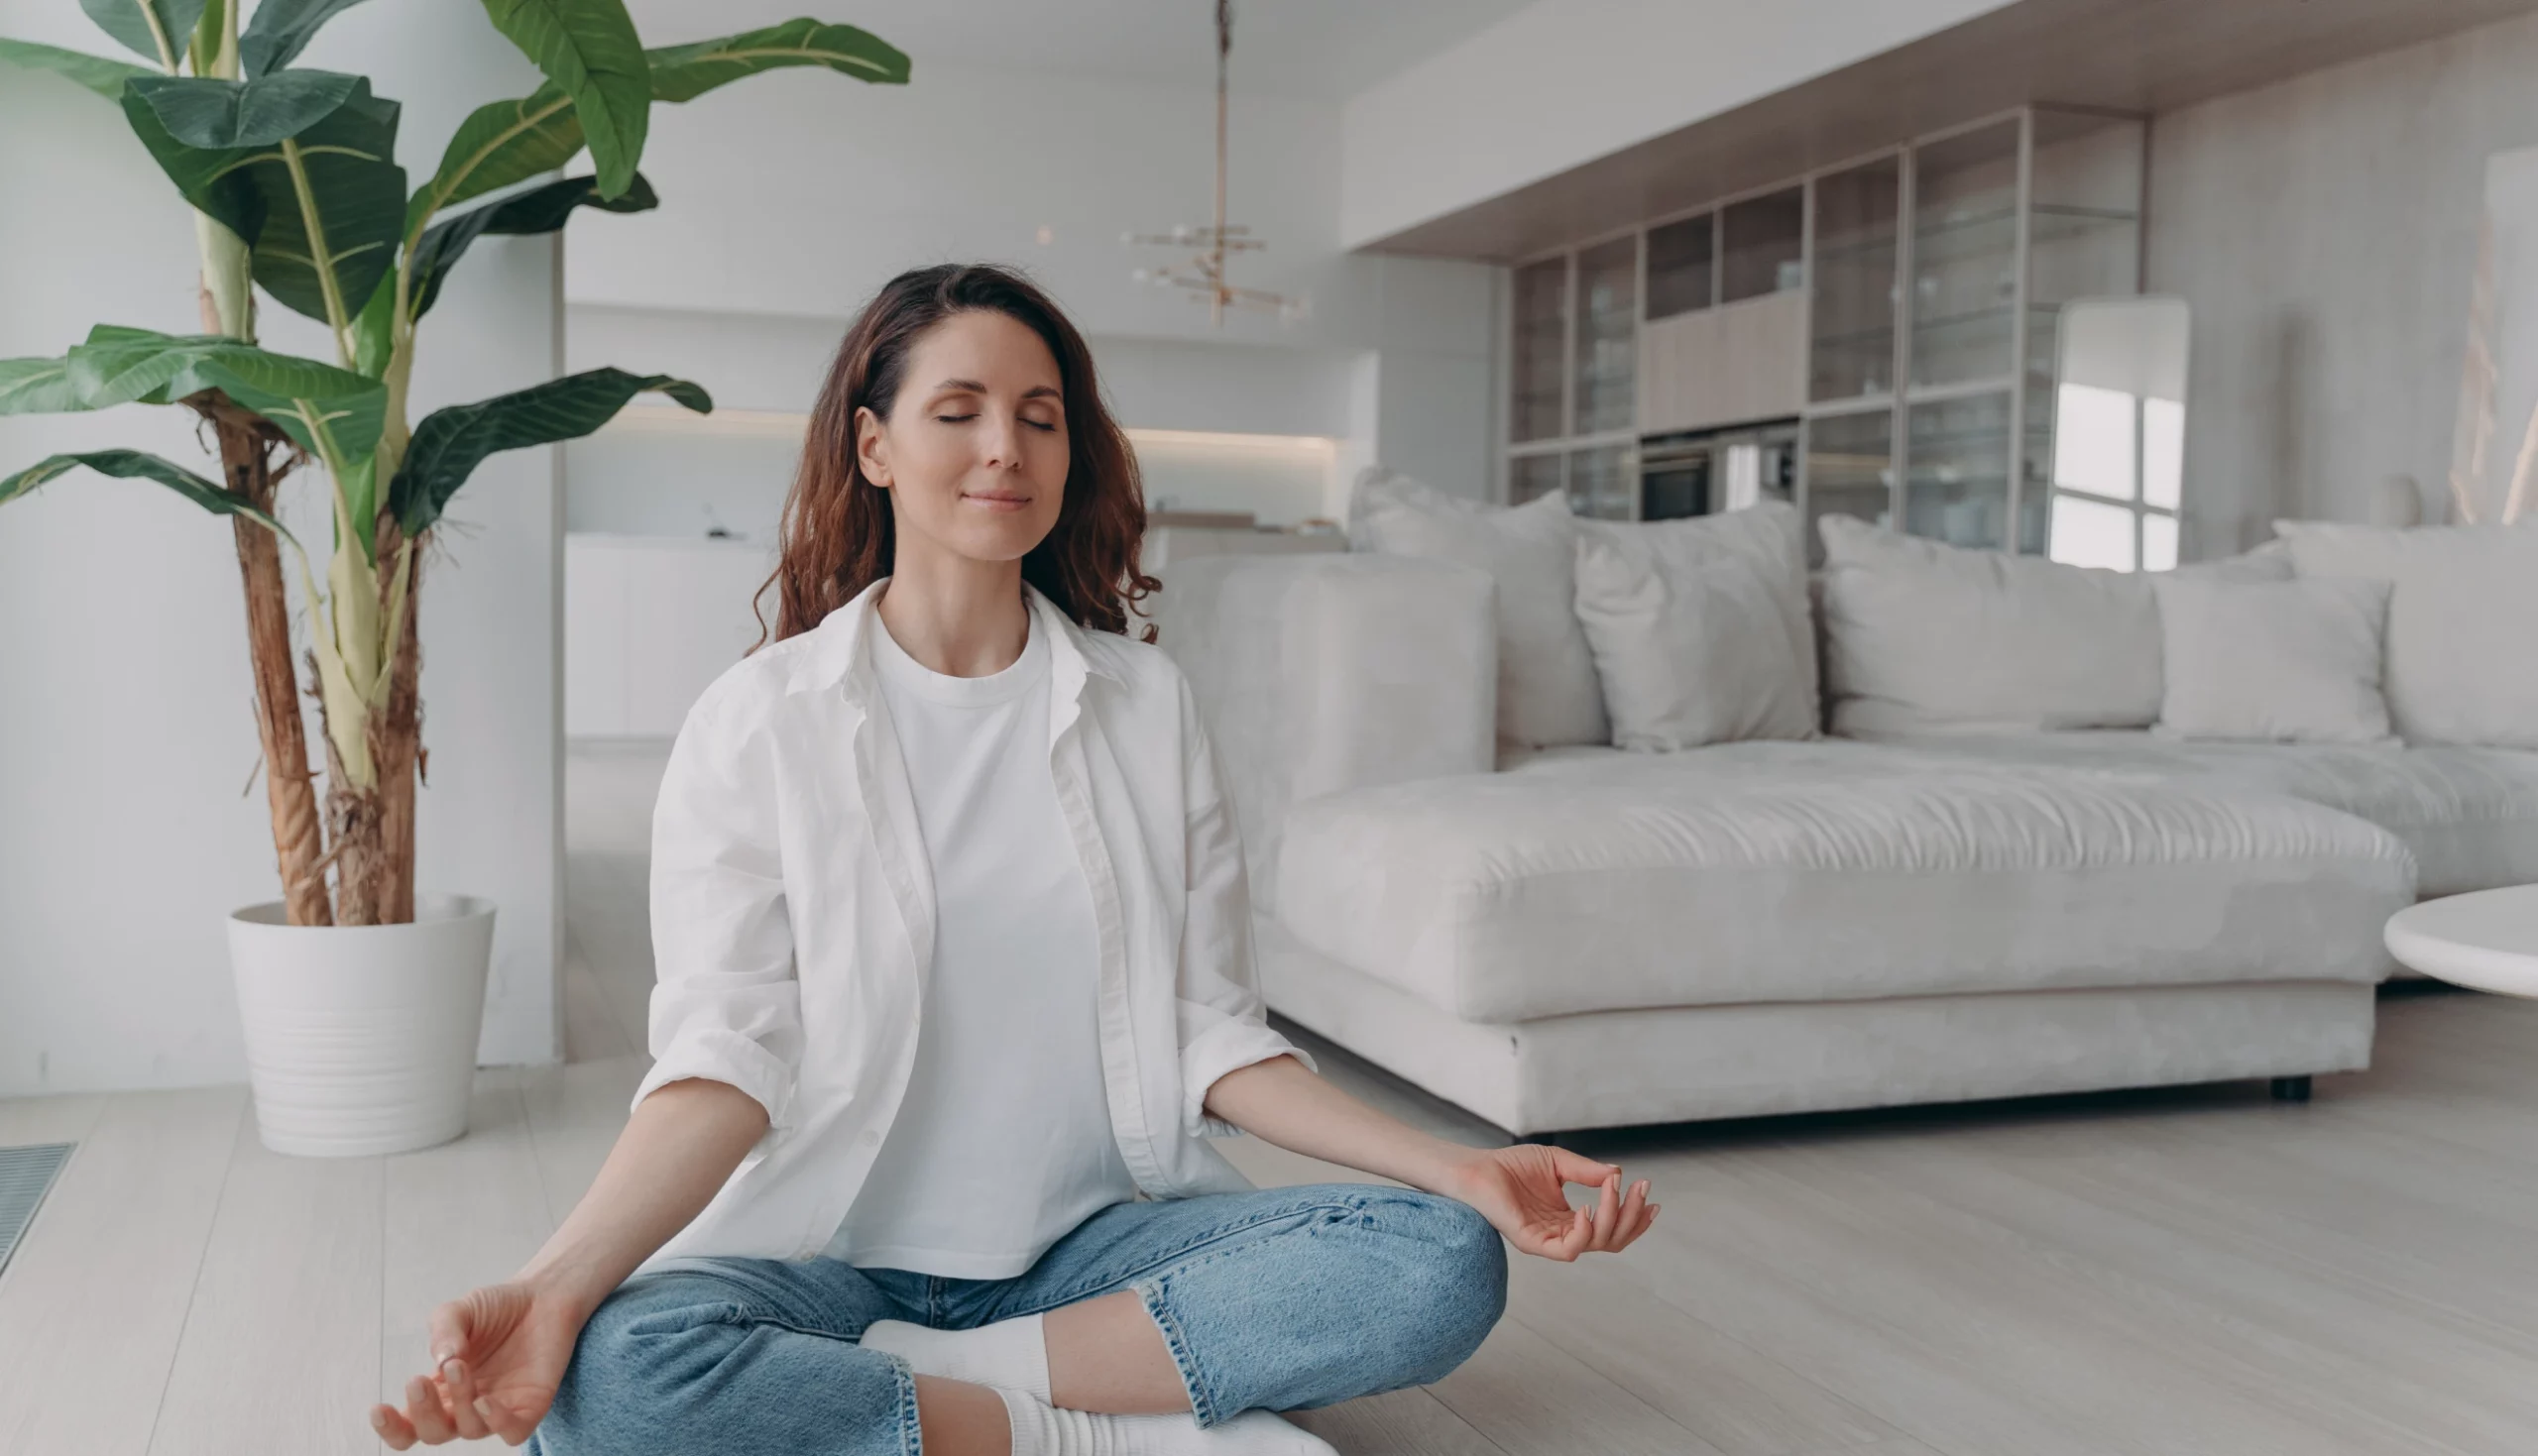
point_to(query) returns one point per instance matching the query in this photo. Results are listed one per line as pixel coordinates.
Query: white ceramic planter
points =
(362, 1038)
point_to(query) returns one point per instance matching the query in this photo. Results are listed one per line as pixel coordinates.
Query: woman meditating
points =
(954, 948)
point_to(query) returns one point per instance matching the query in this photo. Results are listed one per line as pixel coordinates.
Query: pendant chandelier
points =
(1202, 273)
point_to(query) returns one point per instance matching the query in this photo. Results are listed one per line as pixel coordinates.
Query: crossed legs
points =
(1281, 1300)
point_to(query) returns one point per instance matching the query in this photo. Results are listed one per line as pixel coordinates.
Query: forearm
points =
(1281, 1101)
(676, 1152)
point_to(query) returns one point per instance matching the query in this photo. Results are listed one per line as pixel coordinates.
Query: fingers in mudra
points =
(1608, 1223)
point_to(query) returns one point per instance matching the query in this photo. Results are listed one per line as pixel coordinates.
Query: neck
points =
(956, 615)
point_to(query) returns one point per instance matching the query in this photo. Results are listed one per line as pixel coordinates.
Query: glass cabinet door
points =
(1956, 480)
(2084, 228)
(1541, 362)
(1532, 475)
(1682, 259)
(1607, 337)
(1852, 350)
(1850, 471)
(1763, 243)
(1601, 482)
(1965, 256)
(2035, 466)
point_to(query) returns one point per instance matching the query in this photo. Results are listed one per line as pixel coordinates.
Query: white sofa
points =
(1586, 936)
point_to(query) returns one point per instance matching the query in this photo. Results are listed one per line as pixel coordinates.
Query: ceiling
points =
(2137, 56)
(1329, 49)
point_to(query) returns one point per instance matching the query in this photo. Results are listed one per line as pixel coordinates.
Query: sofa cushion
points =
(1547, 688)
(1701, 627)
(1593, 879)
(2470, 814)
(2288, 662)
(1921, 636)
(2462, 654)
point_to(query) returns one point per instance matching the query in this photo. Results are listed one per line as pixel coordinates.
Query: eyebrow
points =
(972, 386)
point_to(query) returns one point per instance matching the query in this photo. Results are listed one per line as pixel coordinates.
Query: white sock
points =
(1009, 1354)
(1041, 1429)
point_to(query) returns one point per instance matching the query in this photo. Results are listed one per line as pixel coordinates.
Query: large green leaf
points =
(132, 464)
(215, 182)
(538, 210)
(684, 73)
(347, 156)
(125, 366)
(500, 142)
(450, 443)
(36, 387)
(158, 28)
(227, 115)
(281, 29)
(506, 141)
(589, 51)
(321, 408)
(96, 73)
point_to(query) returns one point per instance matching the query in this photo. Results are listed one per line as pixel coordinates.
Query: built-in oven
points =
(1703, 471)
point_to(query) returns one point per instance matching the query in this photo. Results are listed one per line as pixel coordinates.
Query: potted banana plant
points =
(361, 1002)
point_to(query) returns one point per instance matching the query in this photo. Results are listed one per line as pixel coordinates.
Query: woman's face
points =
(975, 452)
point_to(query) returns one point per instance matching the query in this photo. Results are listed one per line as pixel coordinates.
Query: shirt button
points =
(869, 1137)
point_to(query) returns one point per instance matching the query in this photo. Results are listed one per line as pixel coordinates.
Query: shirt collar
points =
(838, 652)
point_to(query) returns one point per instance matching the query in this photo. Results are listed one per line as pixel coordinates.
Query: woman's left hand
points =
(1523, 1191)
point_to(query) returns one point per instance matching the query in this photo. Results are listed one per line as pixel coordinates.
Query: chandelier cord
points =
(1224, 51)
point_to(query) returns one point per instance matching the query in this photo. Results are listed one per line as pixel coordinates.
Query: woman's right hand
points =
(503, 1350)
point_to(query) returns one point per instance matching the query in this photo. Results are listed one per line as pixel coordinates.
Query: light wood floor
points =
(2195, 1270)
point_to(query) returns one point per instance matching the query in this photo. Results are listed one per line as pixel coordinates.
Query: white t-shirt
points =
(1003, 1142)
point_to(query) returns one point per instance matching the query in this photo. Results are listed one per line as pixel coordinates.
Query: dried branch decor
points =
(2473, 438)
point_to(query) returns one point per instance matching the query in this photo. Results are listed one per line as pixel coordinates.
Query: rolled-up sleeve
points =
(1223, 1025)
(725, 1002)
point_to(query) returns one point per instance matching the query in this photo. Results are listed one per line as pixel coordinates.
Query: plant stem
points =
(291, 795)
(319, 257)
(159, 37)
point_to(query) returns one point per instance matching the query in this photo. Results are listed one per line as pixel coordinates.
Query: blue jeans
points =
(1284, 1298)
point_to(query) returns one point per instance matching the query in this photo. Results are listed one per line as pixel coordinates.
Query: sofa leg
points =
(2291, 1089)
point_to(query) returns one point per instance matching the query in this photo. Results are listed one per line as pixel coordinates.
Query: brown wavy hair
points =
(838, 536)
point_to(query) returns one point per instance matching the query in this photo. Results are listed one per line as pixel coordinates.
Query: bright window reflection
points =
(2162, 453)
(2158, 542)
(2093, 441)
(2093, 533)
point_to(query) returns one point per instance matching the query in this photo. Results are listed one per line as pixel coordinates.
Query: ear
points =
(872, 447)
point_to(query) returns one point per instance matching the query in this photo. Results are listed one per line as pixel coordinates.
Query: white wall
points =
(1562, 82)
(125, 730)
(846, 184)
(2325, 230)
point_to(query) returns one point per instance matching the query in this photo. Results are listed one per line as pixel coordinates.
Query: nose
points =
(1004, 442)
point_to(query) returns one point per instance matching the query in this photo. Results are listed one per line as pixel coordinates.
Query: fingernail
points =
(449, 1368)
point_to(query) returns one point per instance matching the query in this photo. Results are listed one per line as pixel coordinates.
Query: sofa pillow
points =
(2463, 622)
(2282, 662)
(1921, 636)
(1547, 690)
(1699, 626)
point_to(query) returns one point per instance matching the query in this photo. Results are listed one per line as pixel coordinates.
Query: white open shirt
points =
(793, 918)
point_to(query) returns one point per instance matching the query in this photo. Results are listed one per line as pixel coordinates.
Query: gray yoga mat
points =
(24, 1176)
